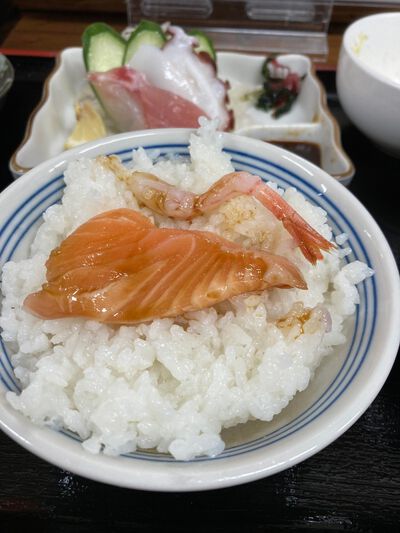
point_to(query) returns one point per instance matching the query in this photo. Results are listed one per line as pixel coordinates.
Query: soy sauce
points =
(307, 150)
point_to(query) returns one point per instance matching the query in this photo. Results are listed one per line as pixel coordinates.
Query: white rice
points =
(172, 384)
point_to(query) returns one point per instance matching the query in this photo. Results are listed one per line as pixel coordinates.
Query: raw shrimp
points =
(168, 200)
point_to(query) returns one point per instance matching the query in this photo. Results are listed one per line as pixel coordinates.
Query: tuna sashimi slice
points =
(120, 268)
(133, 103)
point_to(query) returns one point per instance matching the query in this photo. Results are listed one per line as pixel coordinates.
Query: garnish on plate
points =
(89, 125)
(280, 89)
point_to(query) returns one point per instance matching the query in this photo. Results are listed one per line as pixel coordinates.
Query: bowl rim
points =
(386, 80)
(229, 471)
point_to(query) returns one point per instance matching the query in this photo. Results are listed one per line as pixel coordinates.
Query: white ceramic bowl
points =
(344, 385)
(368, 78)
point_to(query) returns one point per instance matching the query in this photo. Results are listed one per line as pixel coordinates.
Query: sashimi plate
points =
(343, 387)
(309, 121)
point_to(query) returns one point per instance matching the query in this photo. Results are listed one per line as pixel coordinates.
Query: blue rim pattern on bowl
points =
(26, 216)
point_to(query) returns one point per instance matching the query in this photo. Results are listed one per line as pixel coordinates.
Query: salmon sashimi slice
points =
(119, 268)
(133, 103)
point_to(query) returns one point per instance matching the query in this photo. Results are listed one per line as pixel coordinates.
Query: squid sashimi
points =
(133, 103)
(161, 87)
(119, 268)
(168, 200)
(177, 68)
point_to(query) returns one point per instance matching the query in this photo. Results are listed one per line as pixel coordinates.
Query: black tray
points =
(352, 485)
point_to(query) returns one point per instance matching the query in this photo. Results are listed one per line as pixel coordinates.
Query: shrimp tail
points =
(310, 242)
(306, 238)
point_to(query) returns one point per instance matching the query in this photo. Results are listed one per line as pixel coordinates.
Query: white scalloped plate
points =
(308, 121)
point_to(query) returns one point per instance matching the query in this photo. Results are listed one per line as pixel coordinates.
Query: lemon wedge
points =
(89, 125)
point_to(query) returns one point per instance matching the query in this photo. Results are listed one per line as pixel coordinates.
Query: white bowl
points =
(344, 385)
(368, 78)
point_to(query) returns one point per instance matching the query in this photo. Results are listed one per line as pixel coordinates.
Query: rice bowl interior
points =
(174, 384)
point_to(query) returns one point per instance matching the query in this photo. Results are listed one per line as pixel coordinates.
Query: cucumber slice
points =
(146, 32)
(205, 43)
(103, 47)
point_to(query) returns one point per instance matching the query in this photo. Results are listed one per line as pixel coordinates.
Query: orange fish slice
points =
(118, 268)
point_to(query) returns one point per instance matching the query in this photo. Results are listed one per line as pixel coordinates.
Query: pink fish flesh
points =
(133, 103)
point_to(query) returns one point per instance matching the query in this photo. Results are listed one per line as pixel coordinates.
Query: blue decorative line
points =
(25, 216)
(23, 234)
(5, 383)
(11, 377)
(34, 208)
(44, 187)
(313, 408)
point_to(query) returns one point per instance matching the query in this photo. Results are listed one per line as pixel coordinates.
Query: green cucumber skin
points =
(146, 32)
(205, 43)
(95, 30)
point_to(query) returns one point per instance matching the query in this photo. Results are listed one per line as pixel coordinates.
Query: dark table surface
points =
(352, 485)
